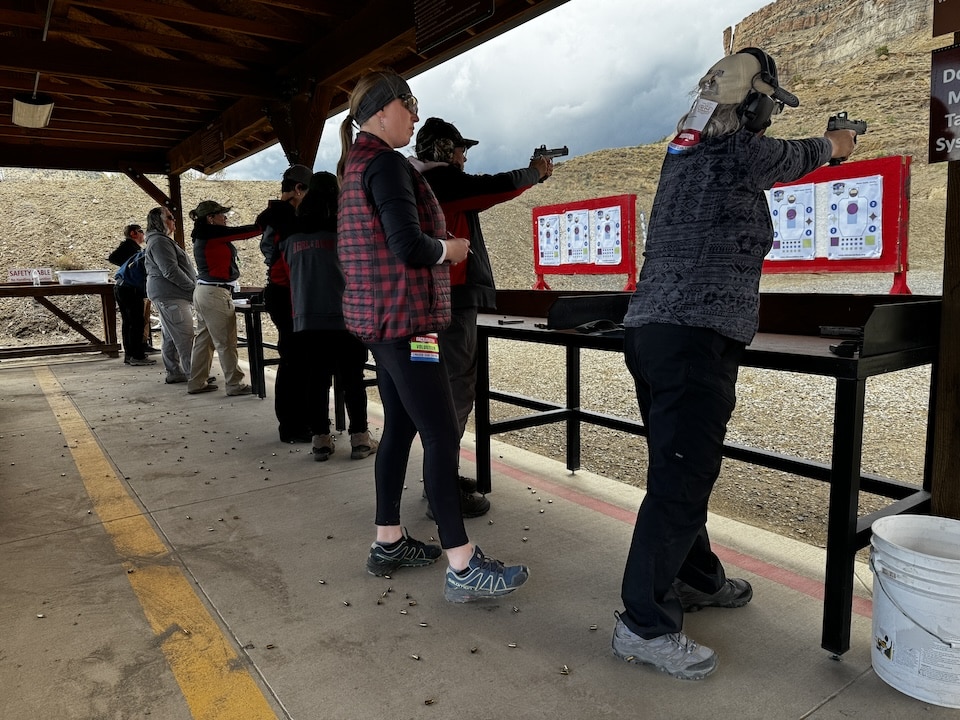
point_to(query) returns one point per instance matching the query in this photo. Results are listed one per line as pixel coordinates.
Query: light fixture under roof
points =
(32, 111)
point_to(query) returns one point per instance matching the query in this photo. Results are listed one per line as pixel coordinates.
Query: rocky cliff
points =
(809, 34)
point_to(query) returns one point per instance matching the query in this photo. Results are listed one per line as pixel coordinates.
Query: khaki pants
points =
(216, 329)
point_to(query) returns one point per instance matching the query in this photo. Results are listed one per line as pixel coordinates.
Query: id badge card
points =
(425, 348)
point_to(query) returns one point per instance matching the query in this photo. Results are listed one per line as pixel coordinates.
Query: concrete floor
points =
(164, 556)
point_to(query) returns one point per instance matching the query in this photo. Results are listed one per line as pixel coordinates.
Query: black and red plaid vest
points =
(386, 299)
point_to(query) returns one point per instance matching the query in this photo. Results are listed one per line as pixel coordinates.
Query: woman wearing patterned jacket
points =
(394, 253)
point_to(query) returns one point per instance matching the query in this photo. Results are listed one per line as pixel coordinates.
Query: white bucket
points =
(916, 606)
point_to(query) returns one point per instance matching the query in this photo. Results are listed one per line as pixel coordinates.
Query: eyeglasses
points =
(410, 103)
(136, 231)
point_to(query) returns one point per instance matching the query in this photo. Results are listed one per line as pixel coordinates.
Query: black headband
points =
(387, 89)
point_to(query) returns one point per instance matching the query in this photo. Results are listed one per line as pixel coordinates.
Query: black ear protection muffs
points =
(757, 108)
(756, 111)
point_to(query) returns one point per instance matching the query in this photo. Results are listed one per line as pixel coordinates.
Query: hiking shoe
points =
(484, 577)
(674, 654)
(406, 552)
(141, 361)
(240, 390)
(468, 485)
(471, 505)
(361, 445)
(323, 446)
(734, 593)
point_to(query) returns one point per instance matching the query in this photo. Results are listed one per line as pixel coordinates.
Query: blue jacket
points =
(133, 272)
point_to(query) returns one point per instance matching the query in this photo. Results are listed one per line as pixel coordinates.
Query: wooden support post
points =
(299, 121)
(173, 202)
(176, 207)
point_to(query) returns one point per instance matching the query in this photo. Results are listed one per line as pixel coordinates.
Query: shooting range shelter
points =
(150, 88)
(146, 88)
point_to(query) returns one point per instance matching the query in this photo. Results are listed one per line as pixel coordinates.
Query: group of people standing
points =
(406, 240)
(388, 257)
(162, 272)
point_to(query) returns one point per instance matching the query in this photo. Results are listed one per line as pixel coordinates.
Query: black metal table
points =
(252, 339)
(896, 336)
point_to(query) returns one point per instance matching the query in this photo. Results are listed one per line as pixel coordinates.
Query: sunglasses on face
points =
(409, 102)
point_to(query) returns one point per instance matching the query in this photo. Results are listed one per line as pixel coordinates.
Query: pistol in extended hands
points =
(840, 121)
(549, 153)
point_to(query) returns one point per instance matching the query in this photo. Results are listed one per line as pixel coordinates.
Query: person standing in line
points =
(217, 272)
(292, 419)
(132, 243)
(171, 278)
(130, 290)
(441, 158)
(323, 347)
(394, 251)
(695, 309)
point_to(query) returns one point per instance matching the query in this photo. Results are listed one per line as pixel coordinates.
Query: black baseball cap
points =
(436, 129)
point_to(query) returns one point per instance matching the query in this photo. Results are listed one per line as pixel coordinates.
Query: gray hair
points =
(724, 121)
(155, 221)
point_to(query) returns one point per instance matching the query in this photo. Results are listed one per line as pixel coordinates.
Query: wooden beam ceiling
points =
(181, 84)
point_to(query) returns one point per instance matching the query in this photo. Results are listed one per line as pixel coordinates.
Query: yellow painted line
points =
(212, 678)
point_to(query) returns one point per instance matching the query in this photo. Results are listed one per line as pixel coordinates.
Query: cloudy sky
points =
(591, 74)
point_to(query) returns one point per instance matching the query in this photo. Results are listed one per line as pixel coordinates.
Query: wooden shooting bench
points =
(42, 294)
(897, 333)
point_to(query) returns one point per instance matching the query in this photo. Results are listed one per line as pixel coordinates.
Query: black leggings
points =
(416, 397)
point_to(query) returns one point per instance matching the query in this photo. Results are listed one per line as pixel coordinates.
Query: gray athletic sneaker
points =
(485, 577)
(733, 593)
(406, 552)
(674, 654)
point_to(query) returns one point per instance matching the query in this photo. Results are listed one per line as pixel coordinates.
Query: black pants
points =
(416, 398)
(130, 301)
(325, 354)
(289, 388)
(686, 388)
(458, 343)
